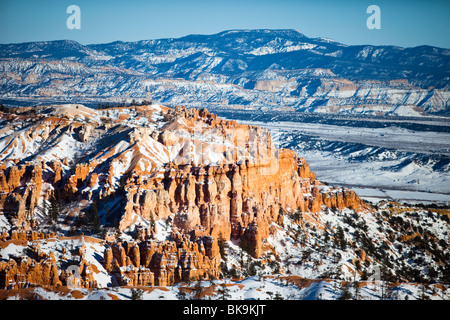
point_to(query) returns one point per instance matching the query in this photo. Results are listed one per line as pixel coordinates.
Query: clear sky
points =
(404, 23)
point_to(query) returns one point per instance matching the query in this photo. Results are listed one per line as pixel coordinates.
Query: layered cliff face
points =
(206, 175)
(138, 169)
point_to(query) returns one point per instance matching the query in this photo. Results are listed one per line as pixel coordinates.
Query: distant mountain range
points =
(261, 69)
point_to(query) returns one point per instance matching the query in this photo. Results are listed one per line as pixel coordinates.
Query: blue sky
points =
(404, 23)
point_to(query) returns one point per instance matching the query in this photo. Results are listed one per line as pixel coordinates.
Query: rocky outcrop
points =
(38, 268)
(29, 235)
(205, 175)
(22, 192)
(162, 263)
(28, 272)
(233, 200)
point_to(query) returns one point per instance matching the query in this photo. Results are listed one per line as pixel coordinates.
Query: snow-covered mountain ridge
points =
(235, 69)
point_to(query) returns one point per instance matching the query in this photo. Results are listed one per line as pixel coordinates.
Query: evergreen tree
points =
(152, 221)
(252, 269)
(93, 218)
(224, 292)
(198, 289)
(222, 246)
(278, 296)
(137, 294)
(181, 295)
(45, 208)
(346, 295)
(340, 238)
(53, 209)
(357, 290)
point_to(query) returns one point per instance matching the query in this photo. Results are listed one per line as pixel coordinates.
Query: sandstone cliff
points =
(203, 176)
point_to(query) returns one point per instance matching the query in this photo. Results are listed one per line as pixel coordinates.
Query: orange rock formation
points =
(225, 178)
